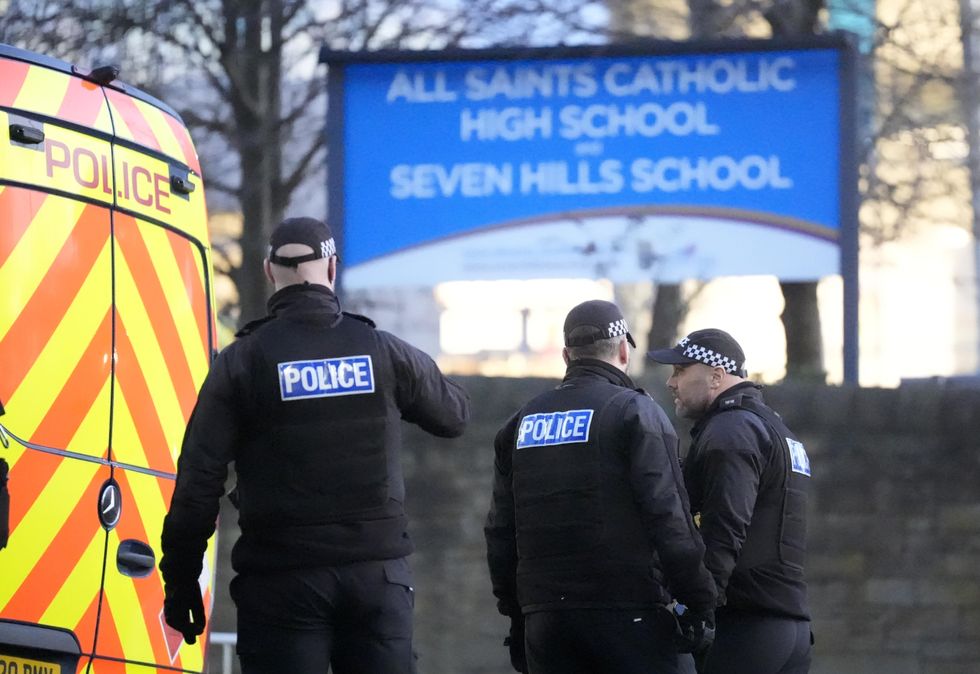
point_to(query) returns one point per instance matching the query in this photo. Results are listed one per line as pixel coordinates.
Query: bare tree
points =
(244, 77)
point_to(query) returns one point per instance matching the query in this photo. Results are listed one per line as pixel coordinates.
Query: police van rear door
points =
(55, 357)
(164, 339)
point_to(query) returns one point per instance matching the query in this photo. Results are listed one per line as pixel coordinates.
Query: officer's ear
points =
(624, 353)
(564, 354)
(717, 376)
(332, 270)
(267, 268)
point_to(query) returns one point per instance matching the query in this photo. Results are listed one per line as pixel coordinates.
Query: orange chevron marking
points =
(82, 388)
(131, 381)
(184, 138)
(108, 643)
(82, 102)
(155, 302)
(189, 262)
(68, 544)
(12, 74)
(25, 340)
(142, 133)
(85, 630)
(17, 208)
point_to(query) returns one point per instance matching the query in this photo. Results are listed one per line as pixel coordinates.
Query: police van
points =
(106, 333)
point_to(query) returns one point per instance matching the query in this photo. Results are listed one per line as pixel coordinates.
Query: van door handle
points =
(135, 558)
(29, 135)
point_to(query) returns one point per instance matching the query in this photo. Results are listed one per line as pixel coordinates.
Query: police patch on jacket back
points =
(554, 428)
(350, 375)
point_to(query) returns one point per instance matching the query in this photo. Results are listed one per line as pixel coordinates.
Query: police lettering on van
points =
(300, 379)
(554, 428)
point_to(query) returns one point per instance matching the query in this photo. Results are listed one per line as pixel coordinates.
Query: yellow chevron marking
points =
(44, 382)
(180, 306)
(142, 336)
(104, 120)
(48, 513)
(34, 254)
(43, 91)
(16, 450)
(81, 586)
(162, 131)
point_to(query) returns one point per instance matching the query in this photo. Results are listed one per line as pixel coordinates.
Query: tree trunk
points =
(804, 340)
(669, 310)
(252, 57)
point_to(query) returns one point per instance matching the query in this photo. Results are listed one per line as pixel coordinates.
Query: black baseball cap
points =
(308, 231)
(713, 347)
(605, 319)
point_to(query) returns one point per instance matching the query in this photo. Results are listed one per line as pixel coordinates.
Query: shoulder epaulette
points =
(250, 327)
(359, 317)
(731, 403)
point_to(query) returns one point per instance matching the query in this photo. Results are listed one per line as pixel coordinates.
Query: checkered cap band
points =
(707, 356)
(617, 328)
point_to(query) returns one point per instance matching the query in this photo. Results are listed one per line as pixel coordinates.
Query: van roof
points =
(8, 51)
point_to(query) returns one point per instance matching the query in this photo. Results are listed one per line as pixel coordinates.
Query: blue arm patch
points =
(350, 375)
(554, 428)
(800, 461)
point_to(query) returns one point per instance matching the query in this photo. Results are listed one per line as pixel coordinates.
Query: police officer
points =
(748, 477)
(589, 523)
(308, 403)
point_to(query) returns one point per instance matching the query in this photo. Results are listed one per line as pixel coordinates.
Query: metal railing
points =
(227, 641)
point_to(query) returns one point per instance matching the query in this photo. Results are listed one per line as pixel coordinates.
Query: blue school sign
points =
(644, 163)
(647, 165)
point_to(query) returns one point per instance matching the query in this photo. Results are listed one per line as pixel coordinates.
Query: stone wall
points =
(894, 529)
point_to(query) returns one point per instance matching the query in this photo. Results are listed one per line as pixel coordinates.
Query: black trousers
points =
(603, 641)
(355, 619)
(753, 644)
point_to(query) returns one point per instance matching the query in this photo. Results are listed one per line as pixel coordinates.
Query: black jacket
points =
(589, 508)
(750, 500)
(308, 403)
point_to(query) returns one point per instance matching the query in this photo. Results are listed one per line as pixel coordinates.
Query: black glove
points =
(515, 642)
(183, 609)
(695, 630)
